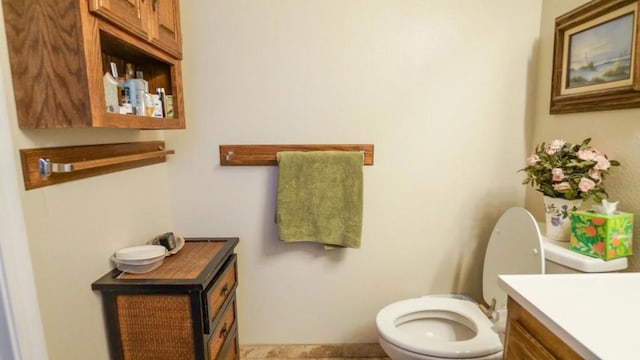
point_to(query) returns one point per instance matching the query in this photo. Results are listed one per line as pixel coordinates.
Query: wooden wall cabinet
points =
(528, 338)
(60, 50)
(185, 309)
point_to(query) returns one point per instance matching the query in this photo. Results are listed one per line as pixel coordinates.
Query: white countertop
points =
(598, 315)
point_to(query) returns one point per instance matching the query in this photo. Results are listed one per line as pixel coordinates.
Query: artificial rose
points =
(595, 174)
(555, 146)
(586, 184)
(602, 163)
(532, 160)
(561, 186)
(557, 174)
(587, 154)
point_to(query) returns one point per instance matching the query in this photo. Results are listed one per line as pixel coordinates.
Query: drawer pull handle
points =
(223, 291)
(223, 331)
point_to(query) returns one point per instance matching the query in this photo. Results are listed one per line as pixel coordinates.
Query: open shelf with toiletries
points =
(60, 80)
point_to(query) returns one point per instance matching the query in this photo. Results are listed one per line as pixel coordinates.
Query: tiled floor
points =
(312, 352)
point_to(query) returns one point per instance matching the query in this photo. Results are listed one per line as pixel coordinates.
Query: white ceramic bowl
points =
(141, 252)
(139, 259)
(140, 266)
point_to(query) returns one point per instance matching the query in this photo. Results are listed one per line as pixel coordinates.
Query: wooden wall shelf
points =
(256, 155)
(54, 165)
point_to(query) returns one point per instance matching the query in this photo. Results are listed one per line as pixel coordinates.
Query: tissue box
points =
(603, 236)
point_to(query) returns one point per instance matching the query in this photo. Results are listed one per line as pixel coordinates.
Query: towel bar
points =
(46, 167)
(256, 155)
(54, 165)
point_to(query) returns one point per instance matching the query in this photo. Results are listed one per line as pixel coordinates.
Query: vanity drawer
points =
(230, 349)
(225, 330)
(220, 292)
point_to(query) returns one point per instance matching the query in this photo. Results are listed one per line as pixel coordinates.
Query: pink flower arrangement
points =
(562, 170)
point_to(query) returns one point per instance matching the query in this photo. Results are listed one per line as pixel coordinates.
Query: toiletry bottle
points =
(157, 106)
(110, 93)
(126, 107)
(130, 83)
(128, 73)
(168, 106)
(142, 87)
(161, 93)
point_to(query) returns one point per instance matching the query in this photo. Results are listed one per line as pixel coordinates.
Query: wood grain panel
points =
(47, 57)
(255, 155)
(543, 336)
(522, 345)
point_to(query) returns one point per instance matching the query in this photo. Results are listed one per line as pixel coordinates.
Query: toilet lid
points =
(515, 247)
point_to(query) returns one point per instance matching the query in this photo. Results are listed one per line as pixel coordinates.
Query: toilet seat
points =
(464, 312)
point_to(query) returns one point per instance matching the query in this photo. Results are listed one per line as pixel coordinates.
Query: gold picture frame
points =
(595, 62)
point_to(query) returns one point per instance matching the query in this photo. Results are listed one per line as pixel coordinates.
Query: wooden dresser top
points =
(193, 265)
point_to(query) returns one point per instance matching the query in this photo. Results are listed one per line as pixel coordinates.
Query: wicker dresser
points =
(185, 309)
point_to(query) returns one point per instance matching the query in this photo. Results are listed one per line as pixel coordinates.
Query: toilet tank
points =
(559, 259)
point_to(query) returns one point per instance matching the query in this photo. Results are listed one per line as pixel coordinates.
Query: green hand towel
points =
(320, 197)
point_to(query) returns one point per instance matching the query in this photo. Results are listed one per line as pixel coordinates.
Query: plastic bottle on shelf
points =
(142, 87)
(110, 93)
(162, 96)
(157, 105)
(131, 84)
(126, 107)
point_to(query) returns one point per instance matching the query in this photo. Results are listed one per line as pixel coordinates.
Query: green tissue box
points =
(603, 236)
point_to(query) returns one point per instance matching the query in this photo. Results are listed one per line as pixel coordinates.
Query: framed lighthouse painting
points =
(595, 66)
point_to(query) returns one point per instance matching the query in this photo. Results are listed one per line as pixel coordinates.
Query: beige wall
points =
(617, 133)
(74, 228)
(441, 88)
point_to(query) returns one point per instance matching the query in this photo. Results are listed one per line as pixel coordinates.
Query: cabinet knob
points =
(223, 291)
(223, 331)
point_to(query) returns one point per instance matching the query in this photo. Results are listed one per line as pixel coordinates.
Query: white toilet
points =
(454, 326)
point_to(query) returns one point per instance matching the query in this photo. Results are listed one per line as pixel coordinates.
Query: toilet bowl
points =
(426, 328)
(455, 327)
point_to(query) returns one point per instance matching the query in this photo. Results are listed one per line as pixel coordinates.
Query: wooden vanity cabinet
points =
(60, 50)
(186, 309)
(528, 338)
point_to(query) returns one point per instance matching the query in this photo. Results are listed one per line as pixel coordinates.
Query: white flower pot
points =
(558, 221)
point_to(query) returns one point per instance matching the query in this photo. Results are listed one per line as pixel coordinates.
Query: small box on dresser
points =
(186, 309)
